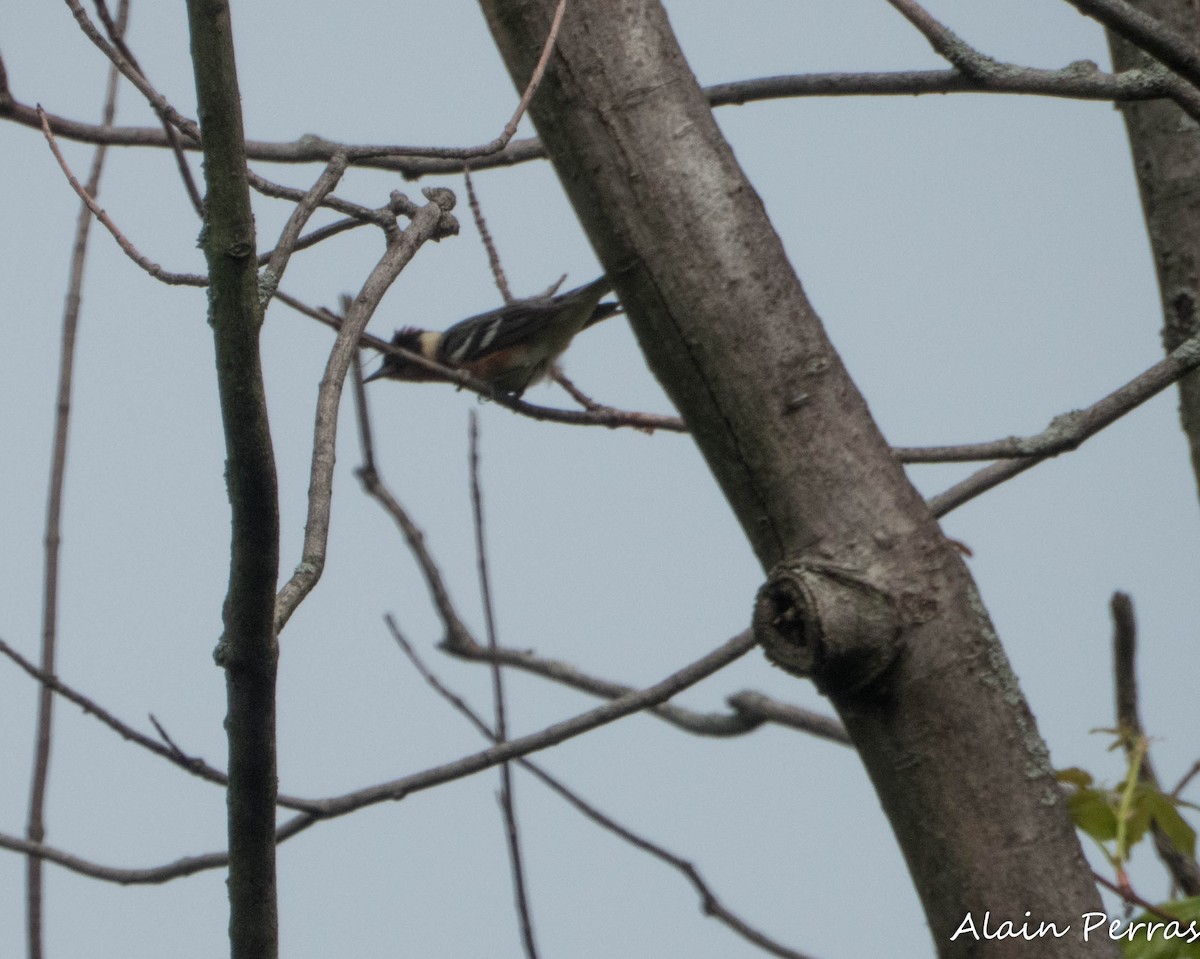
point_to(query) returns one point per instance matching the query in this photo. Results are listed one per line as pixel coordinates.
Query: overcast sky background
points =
(982, 266)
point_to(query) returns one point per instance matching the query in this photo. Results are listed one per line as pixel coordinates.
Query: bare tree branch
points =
(384, 217)
(751, 709)
(431, 221)
(304, 210)
(153, 875)
(193, 765)
(1081, 80)
(1066, 431)
(185, 172)
(638, 701)
(948, 44)
(985, 70)
(190, 129)
(248, 650)
(486, 237)
(157, 102)
(500, 733)
(426, 779)
(1144, 31)
(712, 906)
(35, 826)
(762, 708)
(156, 271)
(1182, 867)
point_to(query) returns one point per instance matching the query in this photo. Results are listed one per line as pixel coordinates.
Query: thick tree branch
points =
(247, 649)
(433, 221)
(902, 645)
(1081, 80)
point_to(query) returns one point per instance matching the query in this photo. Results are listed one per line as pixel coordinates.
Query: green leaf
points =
(1156, 938)
(1138, 817)
(1074, 776)
(1167, 817)
(1092, 812)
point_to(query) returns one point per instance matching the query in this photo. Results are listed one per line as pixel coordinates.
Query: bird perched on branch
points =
(510, 348)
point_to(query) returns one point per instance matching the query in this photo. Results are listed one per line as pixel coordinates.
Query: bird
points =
(509, 348)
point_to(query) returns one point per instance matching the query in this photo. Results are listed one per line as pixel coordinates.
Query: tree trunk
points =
(865, 595)
(1166, 159)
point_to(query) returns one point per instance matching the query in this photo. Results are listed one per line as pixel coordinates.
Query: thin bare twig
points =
(1185, 779)
(510, 128)
(1081, 80)
(1133, 898)
(192, 131)
(486, 236)
(363, 417)
(153, 875)
(737, 723)
(157, 102)
(459, 642)
(575, 392)
(535, 79)
(52, 684)
(333, 320)
(507, 800)
(711, 904)
(117, 38)
(319, 235)
(156, 271)
(398, 203)
(457, 633)
(1066, 432)
(1183, 868)
(35, 824)
(600, 409)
